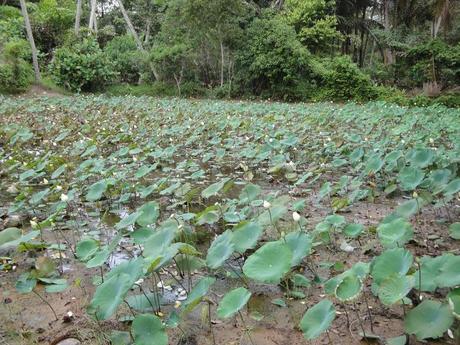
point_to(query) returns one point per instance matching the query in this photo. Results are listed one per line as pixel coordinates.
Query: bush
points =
(50, 20)
(273, 62)
(391, 95)
(126, 57)
(419, 63)
(11, 24)
(157, 89)
(82, 67)
(342, 80)
(451, 100)
(16, 75)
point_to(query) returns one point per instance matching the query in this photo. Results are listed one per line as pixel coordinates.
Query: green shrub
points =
(11, 24)
(126, 57)
(420, 101)
(50, 20)
(451, 100)
(15, 76)
(391, 95)
(342, 80)
(159, 89)
(82, 67)
(446, 59)
(18, 48)
(273, 62)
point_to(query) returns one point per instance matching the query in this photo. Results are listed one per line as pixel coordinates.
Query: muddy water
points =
(26, 319)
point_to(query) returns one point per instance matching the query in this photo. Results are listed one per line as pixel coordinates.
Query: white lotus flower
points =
(33, 224)
(295, 216)
(64, 197)
(267, 204)
(58, 188)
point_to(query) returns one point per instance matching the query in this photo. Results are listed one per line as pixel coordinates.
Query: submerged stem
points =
(47, 303)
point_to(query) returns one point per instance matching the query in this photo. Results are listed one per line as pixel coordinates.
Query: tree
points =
(30, 38)
(92, 25)
(78, 17)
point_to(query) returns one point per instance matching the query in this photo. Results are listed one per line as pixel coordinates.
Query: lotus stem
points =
(369, 313)
(328, 337)
(360, 323)
(130, 309)
(210, 324)
(47, 303)
(245, 328)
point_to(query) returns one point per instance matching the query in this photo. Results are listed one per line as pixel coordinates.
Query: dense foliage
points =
(82, 66)
(294, 50)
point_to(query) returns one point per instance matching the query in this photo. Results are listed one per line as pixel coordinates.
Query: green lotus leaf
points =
(353, 230)
(317, 319)
(246, 235)
(430, 319)
(214, 188)
(233, 302)
(449, 272)
(9, 235)
(348, 288)
(373, 165)
(408, 208)
(109, 295)
(149, 213)
(148, 329)
(300, 244)
(269, 263)
(454, 230)
(401, 340)
(86, 248)
(452, 187)
(453, 297)
(249, 193)
(144, 303)
(220, 250)
(421, 158)
(158, 242)
(335, 220)
(209, 215)
(410, 178)
(96, 190)
(128, 220)
(392, 261)
(200, 289)
(395, 288)
(396, 233)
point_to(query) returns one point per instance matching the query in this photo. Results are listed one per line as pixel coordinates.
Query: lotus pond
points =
(150, 221)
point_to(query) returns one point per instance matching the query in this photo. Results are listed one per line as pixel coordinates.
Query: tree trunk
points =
(78, 17)
(92, 18)
(130, 25)
(388, 54)
(439, 18)
(30, 38)
(147, 33)
(222, 63)
(133, 32)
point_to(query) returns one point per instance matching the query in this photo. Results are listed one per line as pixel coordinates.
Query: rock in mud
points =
(69, 341)
(13, 221)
